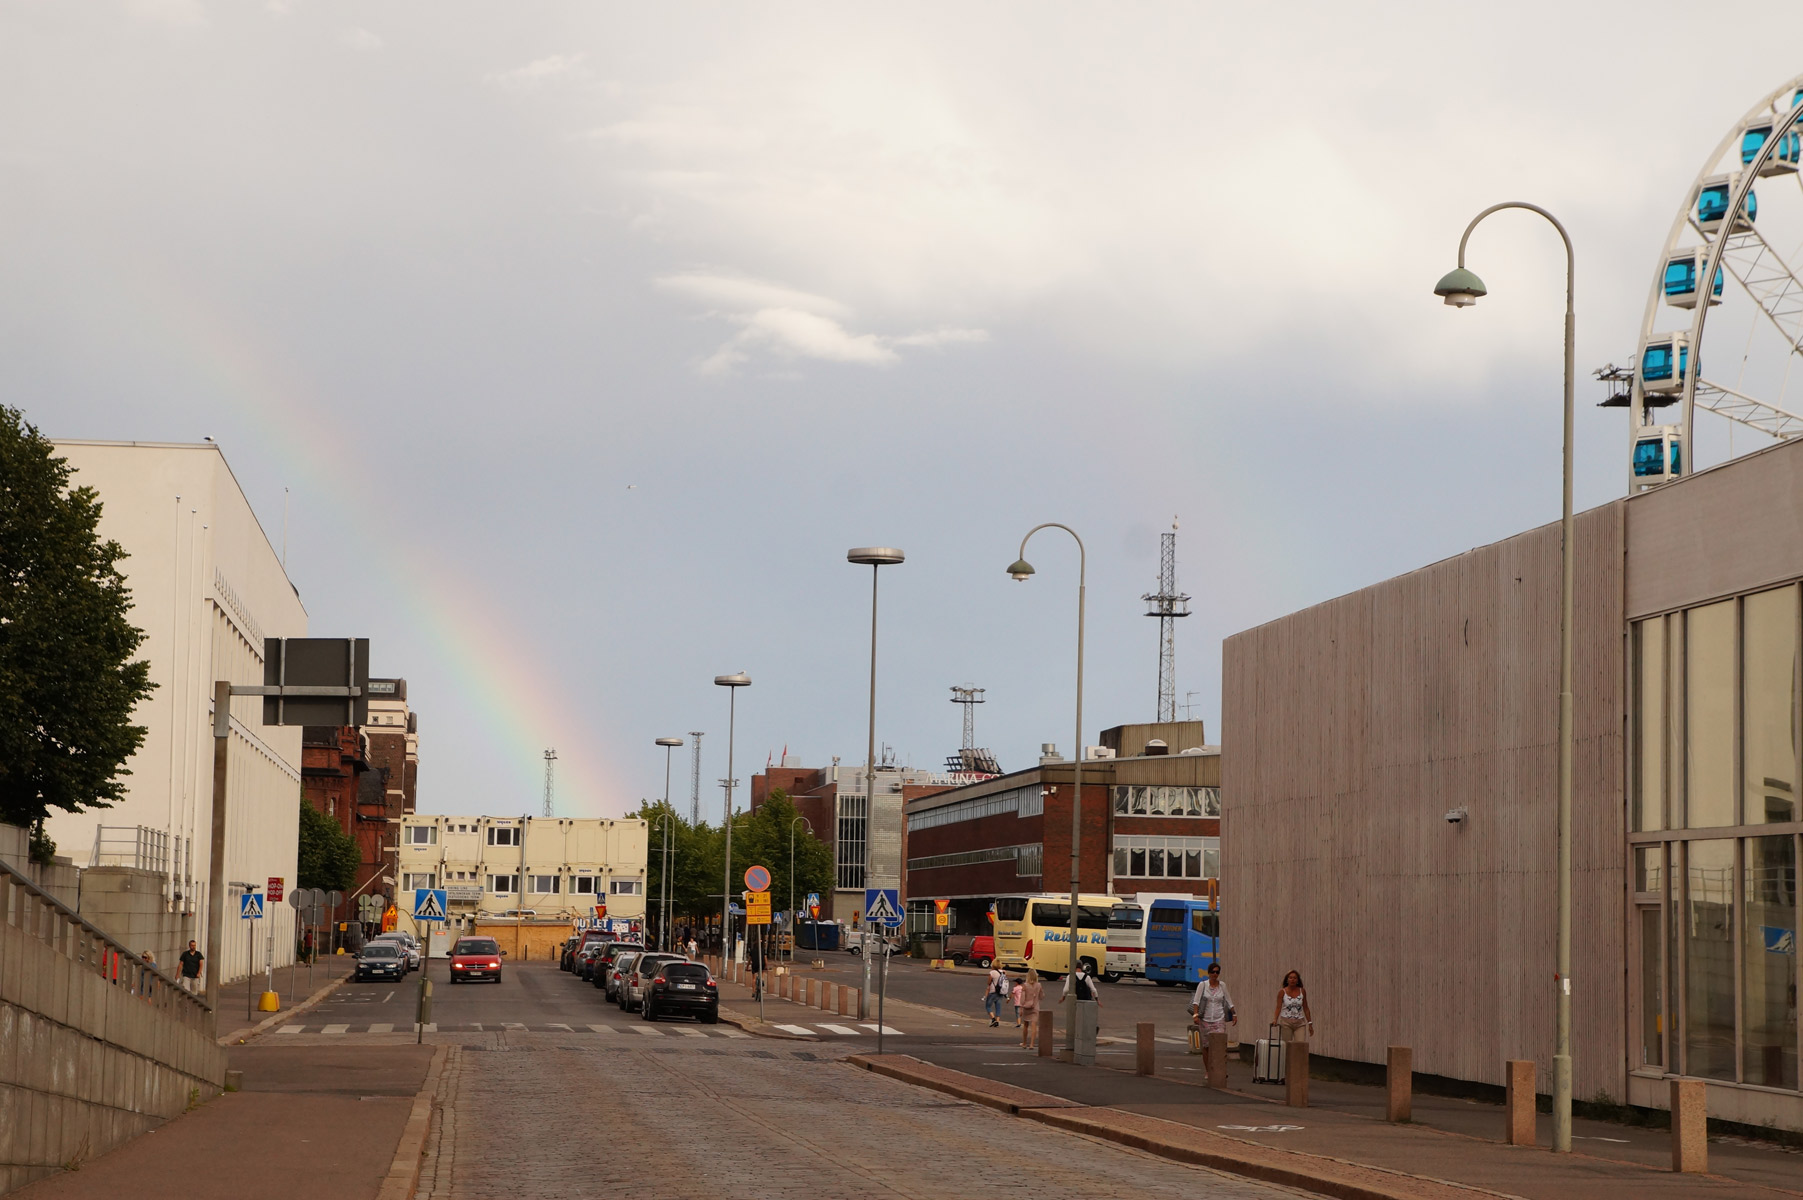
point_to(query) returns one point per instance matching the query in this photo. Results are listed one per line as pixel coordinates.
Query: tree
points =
(68, 681)
(328, 857)
(763, 838)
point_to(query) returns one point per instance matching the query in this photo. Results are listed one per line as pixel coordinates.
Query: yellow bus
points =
(1035, 931)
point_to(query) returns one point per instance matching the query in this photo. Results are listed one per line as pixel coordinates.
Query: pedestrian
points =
(1032, 995)
(1083, 985)
(1292, 1015)
(1014, 996)
(692, 946)
(1212, 1009)
(190, 961)
(994, 992)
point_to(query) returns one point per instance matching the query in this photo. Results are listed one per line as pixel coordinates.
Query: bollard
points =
(1045, 1034)
(1217, 1060)
(1144, 1063)
(1690, 1126)
(1295, 1074)
(1519, 1104)
(844, 995)
(1401, 1079)
(813, 993)
(424, 1017)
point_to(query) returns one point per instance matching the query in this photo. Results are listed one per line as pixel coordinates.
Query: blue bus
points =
(1182, 938)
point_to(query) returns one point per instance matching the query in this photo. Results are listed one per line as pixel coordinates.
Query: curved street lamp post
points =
(1461, 289)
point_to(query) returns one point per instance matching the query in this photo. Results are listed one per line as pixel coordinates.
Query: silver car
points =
(616, 976)
(637, 980)
(405, 944)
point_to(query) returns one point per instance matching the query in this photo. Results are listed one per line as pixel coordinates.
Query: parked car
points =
(408, 947)
(475, 958)
(604, 961)
(616, 973)
(581, 942)
(644, 968)
(979, 950)
(584, 963)
(682, 988)
(855, 940)
(381, 960)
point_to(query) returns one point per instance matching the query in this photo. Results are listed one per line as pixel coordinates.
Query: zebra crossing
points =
(819, 1029)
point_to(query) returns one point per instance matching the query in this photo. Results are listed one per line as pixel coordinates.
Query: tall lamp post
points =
(732, 683)
(1461, 289)
(875, 557)
(792, 824)
(669, 744)
(1022, 570)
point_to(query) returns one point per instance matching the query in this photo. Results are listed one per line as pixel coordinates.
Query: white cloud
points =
(539, 70)
(361, 40)
(168, 12)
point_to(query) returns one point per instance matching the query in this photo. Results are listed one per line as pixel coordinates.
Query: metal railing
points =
(29, 908)
(131, 846)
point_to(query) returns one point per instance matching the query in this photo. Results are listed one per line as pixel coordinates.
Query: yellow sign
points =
(942, 920)
(757, 908)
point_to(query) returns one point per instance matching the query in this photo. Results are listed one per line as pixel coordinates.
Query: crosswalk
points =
(636, 1030)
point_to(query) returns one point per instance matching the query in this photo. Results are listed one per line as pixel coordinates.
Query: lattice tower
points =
(1167, 604)
(550, 783)
(695, 779)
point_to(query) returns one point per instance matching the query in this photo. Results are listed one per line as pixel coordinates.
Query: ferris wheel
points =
(1741, 221)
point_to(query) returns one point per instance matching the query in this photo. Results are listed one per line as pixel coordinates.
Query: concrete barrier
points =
(1217, 1060)
(1518, 1105)
(1295, 1074)
(1400, 1080)
(1690, 1126)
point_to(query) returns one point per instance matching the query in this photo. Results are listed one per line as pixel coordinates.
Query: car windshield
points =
(380, 950)
(477, 946)
(686, 972)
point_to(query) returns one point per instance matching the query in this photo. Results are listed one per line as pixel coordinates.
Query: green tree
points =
(68, 679)
(694, 864)
(762, 837)
(328, 857)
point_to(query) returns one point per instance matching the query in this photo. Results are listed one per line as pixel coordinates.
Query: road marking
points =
(733, 1033)
(890, 1030)
(565, 1028)
(512, 1025)
(384, 1027)
(1584, 1137)
(335, 1029)
(476, 1027)
(387, 998)
(841, 1030)
(1262, 1128)
(602, 1028)
(291, 1029)
(647, 1031)
(686, 1032)
(802, 1030)
(429, 1027)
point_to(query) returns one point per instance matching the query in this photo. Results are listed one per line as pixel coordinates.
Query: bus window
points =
(1126, 916)
(1167, 916)
(1205, 923)
(1010, 908)
(1057, 916)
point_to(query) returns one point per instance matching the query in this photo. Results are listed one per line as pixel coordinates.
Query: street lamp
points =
(1461, 289)
(810, 825)
(669, 744)
(732, 683)
(1022, 570)
(875, 557)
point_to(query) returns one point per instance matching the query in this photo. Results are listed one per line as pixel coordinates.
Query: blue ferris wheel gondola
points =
(1681, 271)
(1664, 365)
(1785, 156)
(1712, 205)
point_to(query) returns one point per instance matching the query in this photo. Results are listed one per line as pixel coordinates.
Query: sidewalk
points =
(236, 1025)
(1452, 1146)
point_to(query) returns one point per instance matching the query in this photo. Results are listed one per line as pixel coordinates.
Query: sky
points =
(582, 340)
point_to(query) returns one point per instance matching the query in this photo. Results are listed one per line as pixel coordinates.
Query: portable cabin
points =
(1784, 159)
(1664, 363)
(1712, 205)
(1658, 453)
(1681, 271)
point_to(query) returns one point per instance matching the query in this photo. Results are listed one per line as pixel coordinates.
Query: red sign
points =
(600, 910)
(275, 889)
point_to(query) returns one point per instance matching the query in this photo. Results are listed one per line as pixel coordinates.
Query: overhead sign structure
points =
(275, 889)
(250, 906)
(882, 906)
(428, 904)
(322, 681)
(757, 878)
(757, 908)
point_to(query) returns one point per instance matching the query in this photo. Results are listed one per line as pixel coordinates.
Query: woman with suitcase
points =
(1292, 1016)
(1212, 1010)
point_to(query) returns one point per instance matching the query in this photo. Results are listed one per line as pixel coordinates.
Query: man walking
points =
(191, 959)
(994, 993)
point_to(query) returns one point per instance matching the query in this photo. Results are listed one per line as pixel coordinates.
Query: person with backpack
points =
(994, 993)
(1083, 985)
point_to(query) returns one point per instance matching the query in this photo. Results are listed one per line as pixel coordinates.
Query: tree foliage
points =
(68, 679)
(328, 857)
(697, 852)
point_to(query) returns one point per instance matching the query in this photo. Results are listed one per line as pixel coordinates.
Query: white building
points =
(551, 867)
(207, 588)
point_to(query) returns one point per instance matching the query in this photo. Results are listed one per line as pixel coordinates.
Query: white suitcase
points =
(1268, 1059)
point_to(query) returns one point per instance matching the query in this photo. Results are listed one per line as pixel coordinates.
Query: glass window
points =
(1648, 868)
(503, 885)
(1652, 998)
(1120, 800)
(1709, 960)
(1137, 862)
(505, 835)
(1120, 860)
(1139, 801)
(412, 881)
(582, 885)
(1155, 862)
(1769, 961)
(544, 885)
(1709, 716)
(422, 835)
(1211, 858)
(1192, 864)
(626, 887)
(1211, 802)
(1649, 725)
(1768, 706)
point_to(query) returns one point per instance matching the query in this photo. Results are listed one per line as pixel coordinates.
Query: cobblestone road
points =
(521, 1116)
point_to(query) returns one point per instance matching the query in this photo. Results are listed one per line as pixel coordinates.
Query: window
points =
(1136, 800)
(1709, 716)
(503, 835)
(626, 887)
(970, 858)
(1139, 857)
(422, 835)
(1030, 860)
(1204, 922)
(1709, 927)
(503, 885)
(850, 874)
(411, 881)
(543, 885)
(582, 885)
(1769, 707)
(1031, 802)
(1649, 724)
(1768, 958)
(983, 806)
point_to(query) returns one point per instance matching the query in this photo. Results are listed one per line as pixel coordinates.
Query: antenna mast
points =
(550, 783)
(1167, 604)
(695, 779)
(970, 759)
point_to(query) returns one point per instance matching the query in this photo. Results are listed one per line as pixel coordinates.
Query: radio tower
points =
(550, 783)
(1167, 604)
(970, 759)
(695, 780)
(969, 697)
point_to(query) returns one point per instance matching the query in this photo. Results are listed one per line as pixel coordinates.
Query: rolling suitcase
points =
(1267, 1059)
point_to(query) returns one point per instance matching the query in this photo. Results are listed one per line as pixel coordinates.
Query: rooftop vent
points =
(1156, 746)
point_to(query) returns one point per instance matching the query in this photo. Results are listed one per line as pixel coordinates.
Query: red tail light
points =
(1029, 953)
(711, 983)
(659, 979)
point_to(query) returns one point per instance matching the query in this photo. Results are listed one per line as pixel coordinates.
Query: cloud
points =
(538, 71)
(361, 40)
(168, 12)
(787, 325)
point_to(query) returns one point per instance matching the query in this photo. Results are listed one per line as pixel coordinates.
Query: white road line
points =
(647, 1031)
(686, 1032)
(841, 1030)
(601, 1028)
(512, 1025)
(802, 1030)
(430, 1027)
(290, 1029)
(384, 1027)
(734, 1033)
(335, 1029)
(477, 1026)
(387, 998)
(555, 1025)
(887, 1029)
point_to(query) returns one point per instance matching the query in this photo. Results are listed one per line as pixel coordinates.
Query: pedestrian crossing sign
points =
(428, 904)
(250, 906)
(882, 906)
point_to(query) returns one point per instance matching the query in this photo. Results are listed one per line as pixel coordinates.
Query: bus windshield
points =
(1010, 908)
(1126, 916)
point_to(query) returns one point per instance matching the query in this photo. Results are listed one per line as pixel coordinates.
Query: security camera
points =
(1455, 816)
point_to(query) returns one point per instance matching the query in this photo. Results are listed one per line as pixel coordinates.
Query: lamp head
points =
(669, 741)
(739, 680)
(1460, 288)
(1021, 569)
(874, 556)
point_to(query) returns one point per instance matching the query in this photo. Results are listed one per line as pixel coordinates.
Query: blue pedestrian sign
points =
(428, 904)
(250, 906)
(813, 900)
(882, 906)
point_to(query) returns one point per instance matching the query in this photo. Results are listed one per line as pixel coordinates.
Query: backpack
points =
(998, 983)
(1085, 989)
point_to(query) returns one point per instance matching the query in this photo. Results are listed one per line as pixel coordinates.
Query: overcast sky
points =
(587, 338)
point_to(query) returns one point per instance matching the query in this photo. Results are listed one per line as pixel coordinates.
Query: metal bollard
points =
(424, 1017)
(1519, 1104)
(1144, 1061)
(1400, 1078)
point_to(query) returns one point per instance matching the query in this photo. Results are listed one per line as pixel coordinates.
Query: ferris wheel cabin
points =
(1785, 156)
(1658, 454)
(1664, 363)
(1712, 205)
(1681, 271)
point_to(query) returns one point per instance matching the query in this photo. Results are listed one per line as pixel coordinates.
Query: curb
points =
(276, 1018)
(403, 1170)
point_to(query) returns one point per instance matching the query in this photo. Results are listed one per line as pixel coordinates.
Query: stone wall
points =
(128, 905)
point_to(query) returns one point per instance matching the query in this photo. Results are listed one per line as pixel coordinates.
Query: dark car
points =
(682, 988)
(604, 962)
(583, 964)
(475, 958)
(381, 960)
(579, 943)
(630, 991)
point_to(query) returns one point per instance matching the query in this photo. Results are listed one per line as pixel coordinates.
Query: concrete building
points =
(1151, 822)
(832, 799)
(1390, 783)
(554, 869)
(207, 588)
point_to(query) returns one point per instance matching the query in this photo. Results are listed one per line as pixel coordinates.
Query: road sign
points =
(813, 900)
(757, 908)
(316, 665)
(250, 906)
(757, 878)
(941, 917)
(297, 898)
(275, 888)
(333, 898)
(882, 906)
(428, 904)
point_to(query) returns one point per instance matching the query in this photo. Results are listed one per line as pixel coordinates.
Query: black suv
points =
(682, 989)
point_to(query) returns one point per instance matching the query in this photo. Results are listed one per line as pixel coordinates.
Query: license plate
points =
(685, 987)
